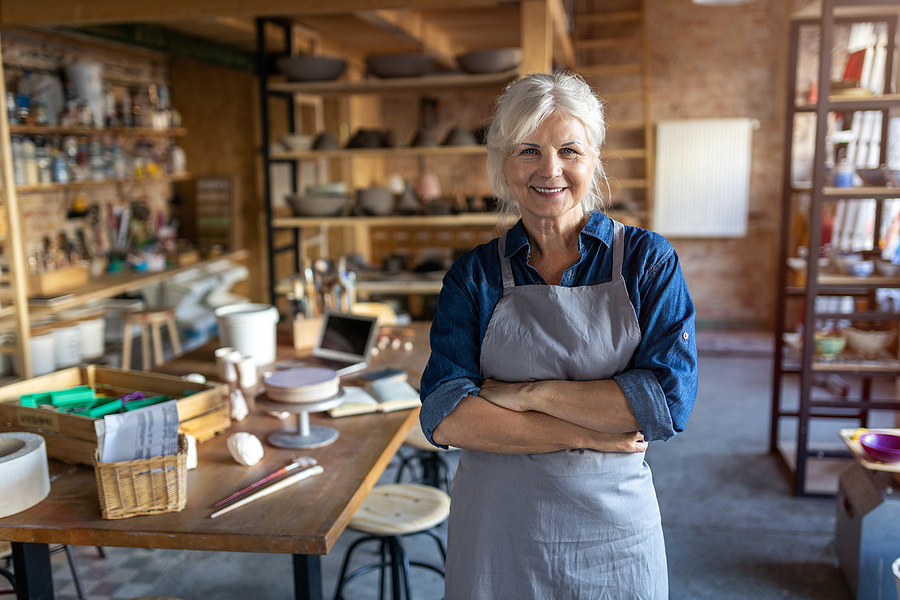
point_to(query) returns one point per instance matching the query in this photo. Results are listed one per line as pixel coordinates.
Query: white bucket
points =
(67, 346)
(249, 329)
(87, 78)
(43, 360)
(92, 334)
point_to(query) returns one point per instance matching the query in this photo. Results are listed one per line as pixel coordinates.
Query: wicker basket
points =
(147, 486)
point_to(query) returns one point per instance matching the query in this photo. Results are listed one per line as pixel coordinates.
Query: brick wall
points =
(728, 62)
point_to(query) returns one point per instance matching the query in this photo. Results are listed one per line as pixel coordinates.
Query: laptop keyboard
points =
(330, 363)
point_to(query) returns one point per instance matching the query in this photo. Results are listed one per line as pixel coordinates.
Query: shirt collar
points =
(599, 226)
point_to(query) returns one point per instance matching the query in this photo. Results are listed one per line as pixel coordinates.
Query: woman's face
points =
(550, 171)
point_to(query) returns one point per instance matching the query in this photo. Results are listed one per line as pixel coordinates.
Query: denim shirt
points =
(660, 381)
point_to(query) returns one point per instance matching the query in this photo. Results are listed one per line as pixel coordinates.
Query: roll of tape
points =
(23, 471)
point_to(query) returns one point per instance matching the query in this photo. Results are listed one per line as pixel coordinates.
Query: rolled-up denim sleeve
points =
(661, 383)
(452, 372)
(440, 402)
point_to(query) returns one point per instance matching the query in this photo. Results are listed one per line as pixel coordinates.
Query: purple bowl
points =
(883, 447)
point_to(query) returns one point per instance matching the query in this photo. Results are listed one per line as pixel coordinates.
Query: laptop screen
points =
(346, 336)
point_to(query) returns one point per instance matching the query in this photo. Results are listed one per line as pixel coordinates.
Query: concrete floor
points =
(733, 530)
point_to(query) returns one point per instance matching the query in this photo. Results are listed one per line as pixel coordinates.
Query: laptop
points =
(343, 345)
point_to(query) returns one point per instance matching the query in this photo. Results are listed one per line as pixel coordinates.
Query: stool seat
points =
(401, 508)
(150, 322)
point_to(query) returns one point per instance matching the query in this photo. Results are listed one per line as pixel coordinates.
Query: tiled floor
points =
(122, 573)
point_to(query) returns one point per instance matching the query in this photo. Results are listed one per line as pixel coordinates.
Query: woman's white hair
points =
(520, 110)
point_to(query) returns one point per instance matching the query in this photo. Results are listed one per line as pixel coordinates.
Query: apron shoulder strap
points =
(505, 267)
(618, 248)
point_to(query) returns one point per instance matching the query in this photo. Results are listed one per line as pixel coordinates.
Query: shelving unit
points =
(538, 60)
(818, 282)
(14, 295)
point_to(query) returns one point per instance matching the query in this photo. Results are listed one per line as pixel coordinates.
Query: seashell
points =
(245, 448)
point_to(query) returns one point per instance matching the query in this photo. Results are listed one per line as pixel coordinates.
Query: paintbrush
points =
(303, 461)
(279, 485)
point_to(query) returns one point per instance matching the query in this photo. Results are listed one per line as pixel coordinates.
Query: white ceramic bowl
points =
(297, 142)
(868, 343)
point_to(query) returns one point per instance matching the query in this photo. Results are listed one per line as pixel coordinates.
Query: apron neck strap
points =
(618, 248)
(505, 267)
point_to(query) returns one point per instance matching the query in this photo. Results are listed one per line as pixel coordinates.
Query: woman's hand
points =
(631, 442)
(511, 396)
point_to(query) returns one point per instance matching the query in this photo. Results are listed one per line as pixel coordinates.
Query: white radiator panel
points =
(702, 177)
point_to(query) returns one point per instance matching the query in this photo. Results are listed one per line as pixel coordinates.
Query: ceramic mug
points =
(224, 365)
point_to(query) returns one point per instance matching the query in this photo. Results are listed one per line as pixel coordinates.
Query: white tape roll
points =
(23, 471)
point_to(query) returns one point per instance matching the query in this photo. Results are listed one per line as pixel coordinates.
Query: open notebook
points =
(381, 395)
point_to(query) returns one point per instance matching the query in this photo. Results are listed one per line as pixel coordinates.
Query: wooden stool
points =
(150, 321)
(434, 469)
(388, 513)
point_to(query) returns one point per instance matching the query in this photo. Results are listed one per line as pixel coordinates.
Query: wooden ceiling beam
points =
(412, 26)
(73, 13)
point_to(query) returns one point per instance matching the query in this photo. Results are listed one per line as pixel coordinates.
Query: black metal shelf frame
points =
(814, 288)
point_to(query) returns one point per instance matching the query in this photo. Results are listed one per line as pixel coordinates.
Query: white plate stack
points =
(302, 385)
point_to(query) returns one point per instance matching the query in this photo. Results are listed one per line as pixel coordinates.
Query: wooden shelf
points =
(398, 84)
(50, 187)
(107, 286)
(842, 103)
(861, 192)
(379, 152)
(415, 220)
(92, 131)
(462, 219)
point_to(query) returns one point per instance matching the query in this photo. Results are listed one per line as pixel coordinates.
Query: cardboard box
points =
(73, 438)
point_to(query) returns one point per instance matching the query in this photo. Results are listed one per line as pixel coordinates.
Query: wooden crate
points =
(57, 281)
(73, 438)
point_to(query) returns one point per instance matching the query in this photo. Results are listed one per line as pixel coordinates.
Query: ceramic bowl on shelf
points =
(413, 64)
(830, 344)
(495, 60)
(311, 67)
(861, 268)
(297, 142)
(886, 268)
(319, 205)
(883, 446)
(868, 343)
(375, 201)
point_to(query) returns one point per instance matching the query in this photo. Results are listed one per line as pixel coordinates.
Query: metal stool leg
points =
(75, 577)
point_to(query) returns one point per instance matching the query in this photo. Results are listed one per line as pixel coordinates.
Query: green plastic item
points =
(108, 408)
(82, 394)
(136, 404)
(34, 400)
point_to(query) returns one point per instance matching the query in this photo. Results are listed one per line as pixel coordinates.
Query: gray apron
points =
(574, 524)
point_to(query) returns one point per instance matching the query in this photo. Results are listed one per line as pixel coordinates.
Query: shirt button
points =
(685, 335)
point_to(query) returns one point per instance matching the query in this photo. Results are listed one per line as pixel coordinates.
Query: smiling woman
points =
(550, 171)
(559, 351)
